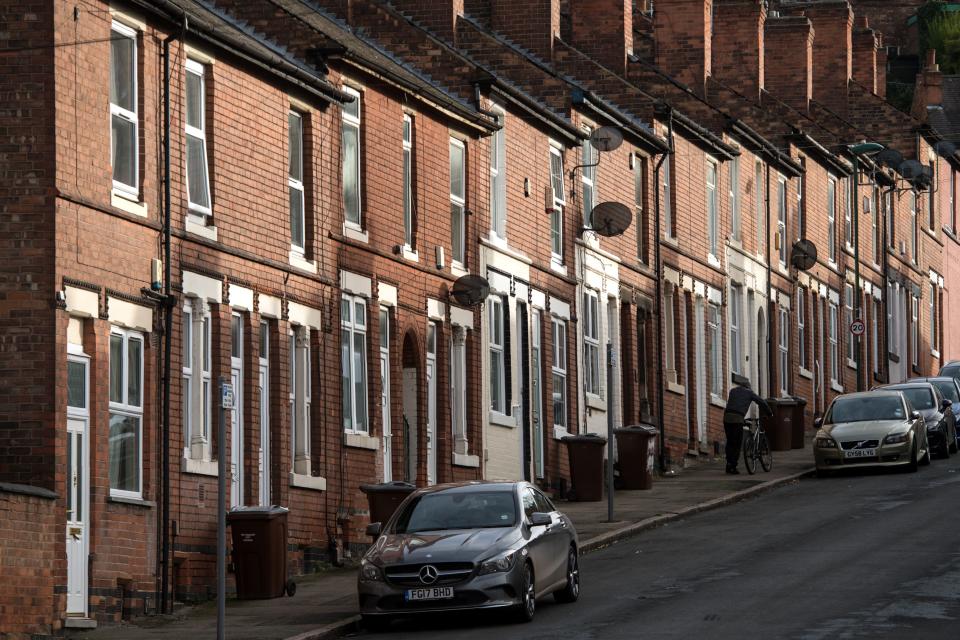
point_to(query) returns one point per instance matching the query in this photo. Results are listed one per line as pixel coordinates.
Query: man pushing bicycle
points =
(738, 404)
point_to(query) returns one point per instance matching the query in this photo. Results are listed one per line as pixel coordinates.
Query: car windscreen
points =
(949, 390)
(458, 510)
(866, 408)
(920, 398)
(951, 371)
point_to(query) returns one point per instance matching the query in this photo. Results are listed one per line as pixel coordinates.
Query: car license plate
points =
(429, 593)
(860, 453)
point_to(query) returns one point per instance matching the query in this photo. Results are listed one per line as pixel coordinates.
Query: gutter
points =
(586, 99)
(791, 167)
(706, 138)
(833, 161)
(560, 125)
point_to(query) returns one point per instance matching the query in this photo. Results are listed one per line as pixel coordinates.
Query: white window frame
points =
(802, 325)
(875, 330)
(639, 191)
(782, 220)
(801, 208)
(915, 229)
(588, 177)
(295, 183)
(734, 193)
(832, 220)
(848, 300)
(458, 207)
(667, 198)
(199, 69)
(353, 325)
(353, 122)
(893, 338)
(834, 321)
(126, 406)
(558, 368)
(891, 221)
(736, 310)
(301, 381)
(713, 207)
(932, 308)
(559, 204)
(198, 400)
(873, 206)
(783, 350)
(759, 193)
(591, 343)
(132, 117)
(715, 329)
(264, 389)
(498, 178)
(915, 330)
(953, 200)
(497, 346)
(408, 179)
(848, 211)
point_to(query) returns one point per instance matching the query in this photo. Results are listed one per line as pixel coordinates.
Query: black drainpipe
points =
(168, 331)
(658, 267)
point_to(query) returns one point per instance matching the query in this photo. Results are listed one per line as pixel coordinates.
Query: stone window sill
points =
(301, 481)
(464, 460)
(200, 467)
(362, 441)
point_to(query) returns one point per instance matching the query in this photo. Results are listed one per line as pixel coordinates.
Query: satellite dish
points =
(911, 169)
(606, 138)
(611, 219)
(804, 255)
(945, 148)
(470, 290)
(890, 157)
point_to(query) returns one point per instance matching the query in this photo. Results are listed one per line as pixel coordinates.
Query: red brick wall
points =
(683, 39)
(32, 563)
(738, 44)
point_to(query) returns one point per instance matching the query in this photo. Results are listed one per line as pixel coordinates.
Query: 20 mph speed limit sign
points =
(857, 327)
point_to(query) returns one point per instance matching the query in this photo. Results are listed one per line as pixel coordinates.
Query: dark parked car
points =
(936, 411)
(951, 369)
(468, 546)
(950, 388)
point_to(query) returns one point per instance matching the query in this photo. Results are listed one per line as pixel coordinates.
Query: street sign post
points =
(857, 327)
(226, 403)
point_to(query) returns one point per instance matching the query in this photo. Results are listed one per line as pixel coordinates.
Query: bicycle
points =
(756, 447)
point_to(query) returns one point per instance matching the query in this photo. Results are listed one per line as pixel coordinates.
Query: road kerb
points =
(632, 529)
(332, 630)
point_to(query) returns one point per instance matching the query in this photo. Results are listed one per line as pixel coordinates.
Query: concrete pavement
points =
(325, 604)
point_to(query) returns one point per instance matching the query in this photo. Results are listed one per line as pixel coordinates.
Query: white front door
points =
(386, 428)
(263, 461)
(236, 415)
(76, 484)
(431, 403)
(701, 373)
(536, 398)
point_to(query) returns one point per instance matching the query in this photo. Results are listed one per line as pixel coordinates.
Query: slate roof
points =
(947, 120)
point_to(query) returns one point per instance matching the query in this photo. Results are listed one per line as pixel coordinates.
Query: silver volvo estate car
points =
(477, 545)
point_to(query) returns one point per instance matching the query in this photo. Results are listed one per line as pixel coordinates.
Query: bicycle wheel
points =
(749, 453)
(764, 452)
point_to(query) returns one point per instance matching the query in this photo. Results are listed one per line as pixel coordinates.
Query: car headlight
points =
(370, 572)
(897, 438)
(498, 564)
(826, 443)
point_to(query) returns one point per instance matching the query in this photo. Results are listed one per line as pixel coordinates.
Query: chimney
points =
(929, 90)
(603, 29)
(683, 33)
(881, 69)
(832, 22)
(438, 16)
(865, 44)
(530, 24)
(738, 48)
(788, 59)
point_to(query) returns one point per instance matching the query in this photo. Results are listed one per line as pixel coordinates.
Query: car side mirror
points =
(540, 519)
(818, 423)
(914, 415)
(373, 529)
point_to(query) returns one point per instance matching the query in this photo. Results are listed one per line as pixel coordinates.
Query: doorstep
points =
(73, 622)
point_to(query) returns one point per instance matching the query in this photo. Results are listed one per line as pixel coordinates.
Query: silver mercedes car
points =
(874, 428)
(466, 546)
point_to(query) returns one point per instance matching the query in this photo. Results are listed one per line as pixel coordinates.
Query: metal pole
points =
(221, 514)
(610, 431)
(856, 264)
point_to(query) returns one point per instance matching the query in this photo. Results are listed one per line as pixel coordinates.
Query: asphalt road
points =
(872, 555)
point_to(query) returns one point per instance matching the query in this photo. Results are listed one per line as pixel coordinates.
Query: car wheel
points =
(375, 623)
(912, 465)
(528, 597)
(571, 591)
